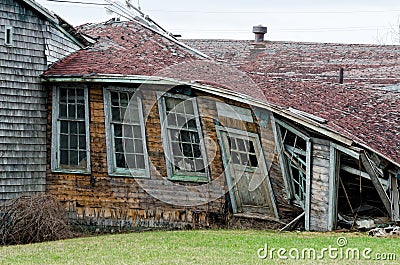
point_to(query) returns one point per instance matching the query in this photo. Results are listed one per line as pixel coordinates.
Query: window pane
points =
(251, 147)
(120, 160)
(64, 127)
(71, 111)
(130, 161)
(118, 145)
(124, 99)
(191, 124)
(244, 159)
(170, 104)
(63, 95)
(64, 141)
(194, 137)
(80, 111)
(253, 160)
(64, 157)
(117, 130)
(181, 120)
(127, 131)
(185, 136)
(82, 142)
(189, 107)
(176, 149)
(196, 150)
(115, 114)
(63, 111)
(140, 161)
(71, 95)
(240, 145)
(138, 147)
(171, 119)
(73, 142)
(114, 98)
(73, 127)
(80, 96)
(73, 158)
(82, 159)
(187, 150)
(235, 158)
(137, 132)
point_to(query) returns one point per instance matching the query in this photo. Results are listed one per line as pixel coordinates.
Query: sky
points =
(339, 21)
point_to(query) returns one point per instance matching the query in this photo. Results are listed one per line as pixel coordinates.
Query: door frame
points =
(228, 170)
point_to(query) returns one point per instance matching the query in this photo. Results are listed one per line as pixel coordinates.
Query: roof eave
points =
(284, 112)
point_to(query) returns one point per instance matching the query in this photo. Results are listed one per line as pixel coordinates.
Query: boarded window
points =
(183, 139)
(70, 129)
(126, 142)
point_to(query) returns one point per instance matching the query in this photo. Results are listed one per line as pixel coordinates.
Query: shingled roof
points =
(305, 76)
(125, 48)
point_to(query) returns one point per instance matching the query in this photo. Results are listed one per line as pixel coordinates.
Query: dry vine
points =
(33, 219)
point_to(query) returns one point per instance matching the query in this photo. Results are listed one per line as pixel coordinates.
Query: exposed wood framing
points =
(334, 165)
(283, 165)
(307, 205)
(375, 180)
(395, 197)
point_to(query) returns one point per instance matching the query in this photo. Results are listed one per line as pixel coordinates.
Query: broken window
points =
(185, 151)
(293, 148)
(70, 133)
(125, 134)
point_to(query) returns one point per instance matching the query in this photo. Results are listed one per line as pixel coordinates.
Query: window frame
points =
(113, 170)
(171, 173)
(55, 146)
(8, 35)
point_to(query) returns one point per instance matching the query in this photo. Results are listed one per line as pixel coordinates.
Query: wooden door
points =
(246, 173)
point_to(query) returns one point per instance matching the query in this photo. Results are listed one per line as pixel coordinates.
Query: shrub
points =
(33, 219)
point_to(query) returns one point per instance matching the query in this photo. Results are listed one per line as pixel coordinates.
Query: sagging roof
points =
(126, 48)
(305, 77)
(293, 76)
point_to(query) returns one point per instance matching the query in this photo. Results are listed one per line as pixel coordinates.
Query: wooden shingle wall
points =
(98, 199)
(23, 99)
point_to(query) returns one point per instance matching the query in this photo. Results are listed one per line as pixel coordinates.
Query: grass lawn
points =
(196, 247)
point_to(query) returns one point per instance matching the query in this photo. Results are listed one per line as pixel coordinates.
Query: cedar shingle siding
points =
(35, 44)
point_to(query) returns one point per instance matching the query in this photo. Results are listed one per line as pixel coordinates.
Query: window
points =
(295, 149)
(126, 152)
(243, 152)
(182, 139)
(8, 38)
(70, 150)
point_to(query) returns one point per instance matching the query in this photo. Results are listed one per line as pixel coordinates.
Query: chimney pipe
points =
(341, 75)
(259, 32)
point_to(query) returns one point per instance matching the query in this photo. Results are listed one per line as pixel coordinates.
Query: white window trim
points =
(8, 34)
(55, 143)
(181, 176)
(111, 162)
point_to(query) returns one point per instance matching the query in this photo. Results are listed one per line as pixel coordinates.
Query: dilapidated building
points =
(143, 130)
(130, 127)
(31, 38)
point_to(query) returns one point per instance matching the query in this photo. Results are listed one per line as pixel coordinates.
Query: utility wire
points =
(78, 2)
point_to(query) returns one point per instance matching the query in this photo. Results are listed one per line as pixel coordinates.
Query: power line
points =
(77, 2)
(271, 12)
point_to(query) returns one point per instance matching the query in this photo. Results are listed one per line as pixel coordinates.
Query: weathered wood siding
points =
(23, 98)
(102, 200)
(319, 185)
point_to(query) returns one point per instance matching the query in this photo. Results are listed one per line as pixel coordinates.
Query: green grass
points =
(190, 247)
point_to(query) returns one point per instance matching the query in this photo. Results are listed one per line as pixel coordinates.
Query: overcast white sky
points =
(350, 21)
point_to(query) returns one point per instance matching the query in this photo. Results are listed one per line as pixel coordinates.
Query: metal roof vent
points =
(259, 32)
